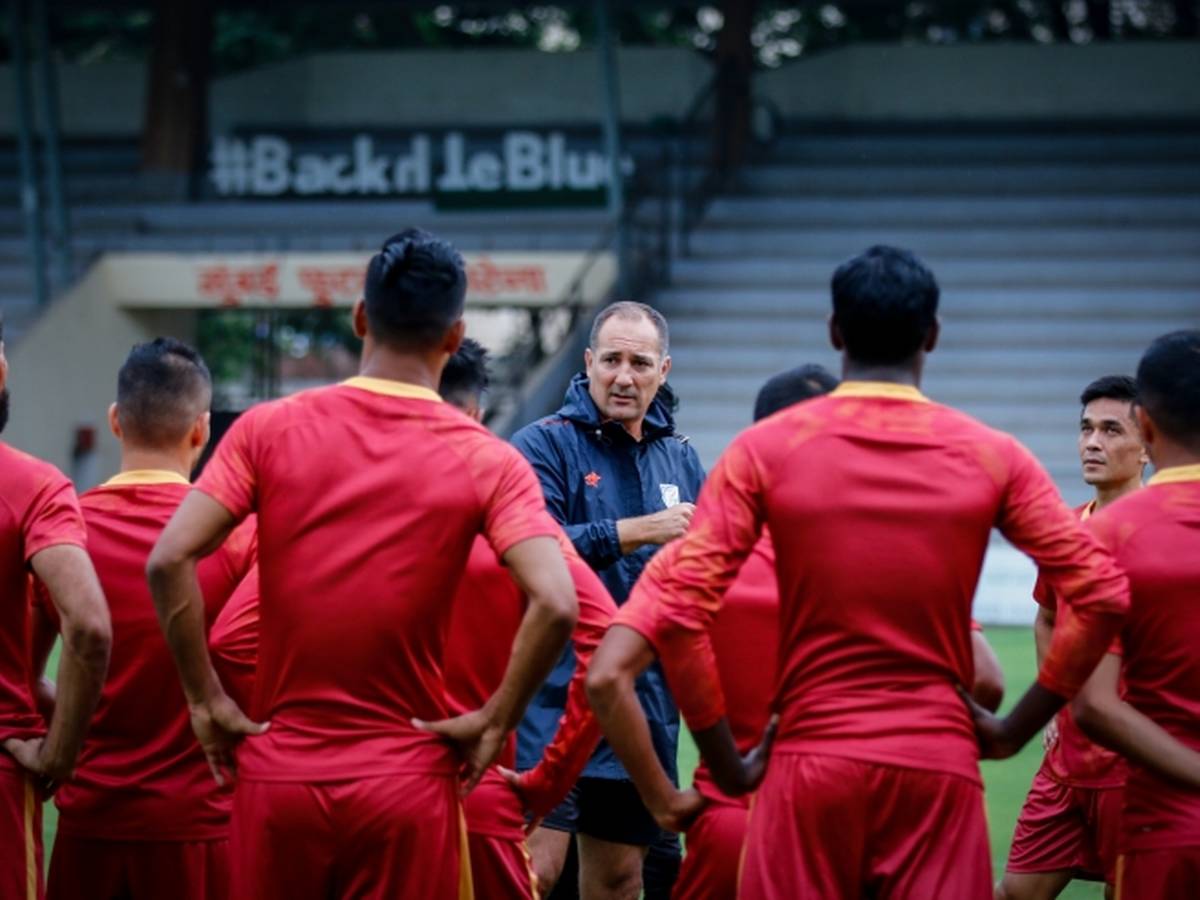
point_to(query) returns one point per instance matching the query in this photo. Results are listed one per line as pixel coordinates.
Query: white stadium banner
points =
(306, 280)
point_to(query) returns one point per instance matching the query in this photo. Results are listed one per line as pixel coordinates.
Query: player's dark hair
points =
(161, 389)
(1110, 387)
(631, 309)
(415, 289)
(1168, 385)
(885, 300)
(466, 375)
(791, 387)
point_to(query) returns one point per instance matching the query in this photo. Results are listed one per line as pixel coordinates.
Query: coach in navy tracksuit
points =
(622, 482)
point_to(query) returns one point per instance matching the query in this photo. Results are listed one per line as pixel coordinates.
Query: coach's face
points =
(1110, 445)
(625, 370)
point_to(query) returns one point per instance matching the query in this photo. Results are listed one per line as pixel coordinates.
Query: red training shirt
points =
(745, 638)
(1155, 535)
(233, 643)
(38, 509)
(369, 496)
(141, 775)
(880, 504)
(1074, 759)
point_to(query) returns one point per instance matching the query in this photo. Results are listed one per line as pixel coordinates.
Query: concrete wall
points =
(865, 82)
(894, 83)
(63, 372)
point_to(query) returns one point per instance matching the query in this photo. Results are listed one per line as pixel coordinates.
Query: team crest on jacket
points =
(670, 494)
(591, 479)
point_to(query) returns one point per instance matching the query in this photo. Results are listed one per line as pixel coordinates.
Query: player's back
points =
(881, 504)
(141, 774)
(37, 503)
(369, 497)
(1155, 535)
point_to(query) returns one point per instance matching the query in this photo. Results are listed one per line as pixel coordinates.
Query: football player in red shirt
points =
(143, 818)
(369, 497)
(41, 531)
(1069, 825)
(880, 503)
(1155, 535)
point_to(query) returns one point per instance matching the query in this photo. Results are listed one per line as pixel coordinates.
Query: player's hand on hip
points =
(533, 804)
(220, 725)
(1050, 734)
(755, 762)
(679, 810)
(30, 754)
(477, 738)
(990, 730)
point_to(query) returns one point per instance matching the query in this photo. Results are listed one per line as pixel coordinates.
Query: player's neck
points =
(137, 459)
(1167, 454)
(392, 365)
(1107, 493)
(906, 374)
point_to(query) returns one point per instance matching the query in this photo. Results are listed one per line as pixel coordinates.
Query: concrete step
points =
(755, 272)
(1038, 211)
(838, 243)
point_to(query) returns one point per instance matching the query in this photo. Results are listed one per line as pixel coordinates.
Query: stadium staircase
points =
(1060, 255)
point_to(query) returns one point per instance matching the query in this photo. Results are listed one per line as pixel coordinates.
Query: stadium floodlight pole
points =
(47, 80)
(610, 84)
(30, 200)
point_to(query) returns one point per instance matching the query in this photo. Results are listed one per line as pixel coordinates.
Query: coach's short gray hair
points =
(631, 309)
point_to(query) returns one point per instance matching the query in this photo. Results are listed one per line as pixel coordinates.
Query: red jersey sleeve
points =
(1082, 575)
(229, 478)
(544, 786)
(53, 517)
(679, 593)
(514, 508)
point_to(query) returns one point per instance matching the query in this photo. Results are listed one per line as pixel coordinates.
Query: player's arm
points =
(69, 578)
(1077, 569)
(196, 530)
(680, 592)
(537, 566)
(988, 688)
(43, 634)
(546, 785)
(1109, 720)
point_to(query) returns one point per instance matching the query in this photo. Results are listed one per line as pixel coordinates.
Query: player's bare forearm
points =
(86, 630)
(541, 573)
(622, 656)
(198, 527)
(1109, 720)
(1001, 737)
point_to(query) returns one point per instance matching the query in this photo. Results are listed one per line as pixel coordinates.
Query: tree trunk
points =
(176, 123)
(734, 60)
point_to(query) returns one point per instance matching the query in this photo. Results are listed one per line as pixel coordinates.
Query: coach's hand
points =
(477, 738)
(220, 726)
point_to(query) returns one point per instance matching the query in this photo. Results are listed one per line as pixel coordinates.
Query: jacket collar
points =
(579, 408)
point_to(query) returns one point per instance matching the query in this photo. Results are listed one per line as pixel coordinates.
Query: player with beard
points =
(369, 496)
(41, 532)
(143, 818)
(881, 503)
(1070, 823)
(1155, 535)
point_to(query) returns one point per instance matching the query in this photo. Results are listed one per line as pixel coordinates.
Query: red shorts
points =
(90, 869)
(714, 850)
(500, 863)
(395, 836)
(1158, 874)
(824, 826)
(1067, 829)
(20, 833)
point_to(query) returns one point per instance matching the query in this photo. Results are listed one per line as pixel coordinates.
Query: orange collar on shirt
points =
(885, 389)
(146, 476)
(392, 388)
(1175, 474)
